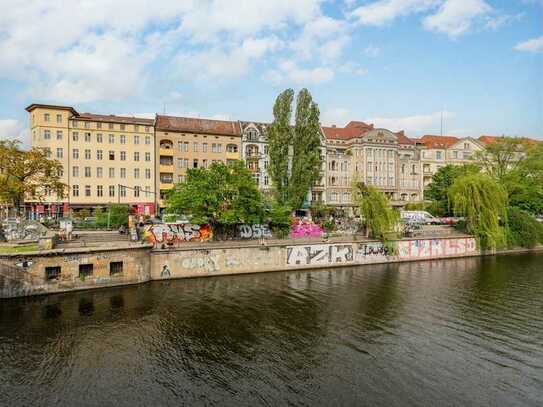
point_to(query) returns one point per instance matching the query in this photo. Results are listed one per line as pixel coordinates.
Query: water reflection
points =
(451, 332)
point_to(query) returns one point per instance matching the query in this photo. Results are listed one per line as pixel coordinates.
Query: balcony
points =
(166, 178)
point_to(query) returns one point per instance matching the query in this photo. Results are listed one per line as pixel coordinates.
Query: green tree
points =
(118, 215)
(306, 157)
(279, 139)
(27, 174)
(437, 190)
(219, 195)
(483, 202)
(501, 156)
(379, 218)
(303, 140)
(525, 183)
(524, 229)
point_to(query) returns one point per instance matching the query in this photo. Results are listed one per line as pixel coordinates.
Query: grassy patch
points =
(19, 249)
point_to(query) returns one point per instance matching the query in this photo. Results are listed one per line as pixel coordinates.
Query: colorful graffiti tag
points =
(174, 234)
(304, 229)
(319, 254)
(419, 249)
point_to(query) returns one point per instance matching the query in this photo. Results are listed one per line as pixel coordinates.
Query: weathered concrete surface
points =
(30, 274)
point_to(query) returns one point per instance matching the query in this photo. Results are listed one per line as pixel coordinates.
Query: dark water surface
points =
(465, 332)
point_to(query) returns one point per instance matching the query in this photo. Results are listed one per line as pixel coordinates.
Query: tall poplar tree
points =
(279, 138)
(293, 180)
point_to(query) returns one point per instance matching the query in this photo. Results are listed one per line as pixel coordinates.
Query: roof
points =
(438, 141)
(115, 119)
(196, 125)
(486, 140)
(56, 107)
(403, 139)
(342, 133)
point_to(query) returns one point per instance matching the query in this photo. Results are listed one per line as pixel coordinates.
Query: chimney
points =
(334, 126)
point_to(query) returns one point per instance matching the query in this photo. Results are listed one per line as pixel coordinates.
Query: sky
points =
(401, 64)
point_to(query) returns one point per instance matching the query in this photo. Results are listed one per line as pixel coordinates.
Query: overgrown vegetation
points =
(378, 217)
(483, 202)
(524, 230)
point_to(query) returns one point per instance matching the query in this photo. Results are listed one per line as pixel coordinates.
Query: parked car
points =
(419, 217)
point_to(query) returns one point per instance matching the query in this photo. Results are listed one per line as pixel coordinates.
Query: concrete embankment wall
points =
(69, 270)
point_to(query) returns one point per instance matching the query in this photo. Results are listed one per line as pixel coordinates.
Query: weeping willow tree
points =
(483, 203)
(379, 218)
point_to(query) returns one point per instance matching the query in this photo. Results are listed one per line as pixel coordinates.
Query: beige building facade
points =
(183, 143)
(105, 158)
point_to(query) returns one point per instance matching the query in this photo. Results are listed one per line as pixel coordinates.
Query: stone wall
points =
(58, 271)
(74, 270)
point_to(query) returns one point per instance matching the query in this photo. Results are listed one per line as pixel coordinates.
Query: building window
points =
(46, 117)
(87, 154)
(123, 155)
(147, 129)
(59, 153)
(75, 136)
(99, 138)
(87, 190)
(136, 173)
(136, 139)
(75, 154)
(232, 148)
(98, 125)
(136, 127)
(111, 172)
(122, 139)
(116, 268)
(59, 118)
(99, 172)
(147, 140)
(75, 190)
(75, 172)
(147, 173)
(136, 156)
(438, 155)
(123, 172)
(195, 163)
(204, 147)
(87, 125)
(110, 126)
(99, 154)
(59, 134)
(136, 192)
(181, 178)
(87, 172)
(112, 190)
(52, 273)
(99, 190)
(112, 155)
(122, 191)
(87, 137)
(266, 180)
(122, 126)
(111, 138)
(75, 123)
(195, 147)
(47, 135)
(60, 172)
(85, 270)
(147, 156)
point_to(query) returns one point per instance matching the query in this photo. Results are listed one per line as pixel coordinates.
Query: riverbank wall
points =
(65, 270)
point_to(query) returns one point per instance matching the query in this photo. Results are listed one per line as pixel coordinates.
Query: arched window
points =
(232, 148)
(252, 134)
(251, 150)
(166, 144)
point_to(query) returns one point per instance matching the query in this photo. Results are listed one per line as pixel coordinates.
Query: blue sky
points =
(396, 63)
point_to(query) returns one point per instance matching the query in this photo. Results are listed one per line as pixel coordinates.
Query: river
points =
(459, 332)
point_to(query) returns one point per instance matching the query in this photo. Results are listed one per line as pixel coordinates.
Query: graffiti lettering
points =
(208, 263)
(319, 254)
(305, 229)
(254, 231)
(172, 234)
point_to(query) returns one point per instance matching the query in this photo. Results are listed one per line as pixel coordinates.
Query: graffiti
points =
(305, 228)
(207, 263)
(371, 252)
(171, 234)
(415, 249)
(319, 254)
(347, 226)
(254, 231)
(231, 261)
(71, 257)
(24, 263)
(165, 271)
(23, 230)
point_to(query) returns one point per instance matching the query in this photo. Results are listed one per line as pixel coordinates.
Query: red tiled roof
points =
(486, 140)
(438, 141)
(196, 125)
(114, 119)
(359, 125)
(403, 139)
(342, 133)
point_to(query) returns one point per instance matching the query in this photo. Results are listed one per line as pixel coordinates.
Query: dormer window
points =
(252, 134)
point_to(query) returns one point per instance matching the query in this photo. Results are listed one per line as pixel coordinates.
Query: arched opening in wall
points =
(414, 197)
(166, 144)
(252, 134)
(251, 151)
(404, 197)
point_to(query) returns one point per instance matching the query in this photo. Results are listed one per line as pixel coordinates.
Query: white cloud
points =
(322, 36)
(337, 116)
(14, 129)
(455, 17)
(423, 123)
(290, 73)
(383, 12)
(372, 51)
(534, 45)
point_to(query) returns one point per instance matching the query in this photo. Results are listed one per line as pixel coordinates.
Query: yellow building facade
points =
(183, 143)
(106, 158)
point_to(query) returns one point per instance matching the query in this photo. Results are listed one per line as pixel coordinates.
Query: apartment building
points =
(439, 151)
(105, 158)
(359, 152)
(183, 143)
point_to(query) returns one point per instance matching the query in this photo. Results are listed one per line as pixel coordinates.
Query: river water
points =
(461, 332)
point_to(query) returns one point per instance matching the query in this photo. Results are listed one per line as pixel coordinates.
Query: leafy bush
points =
(524, 229)
(117, 213)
